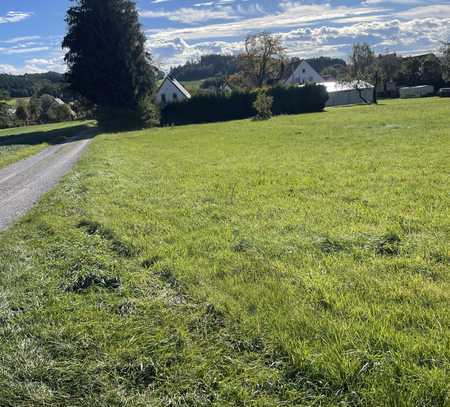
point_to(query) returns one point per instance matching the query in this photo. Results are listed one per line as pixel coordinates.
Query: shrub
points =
(39, 107)
(7, 117)
(22, 113)
(263, 106)
(59, 113)
(35, 109)
(209, 108)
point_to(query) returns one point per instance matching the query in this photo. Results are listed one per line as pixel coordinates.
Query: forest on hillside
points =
(211, 66)
(21, 86)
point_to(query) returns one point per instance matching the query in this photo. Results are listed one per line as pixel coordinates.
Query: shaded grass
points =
(22, 142)
(301, 261)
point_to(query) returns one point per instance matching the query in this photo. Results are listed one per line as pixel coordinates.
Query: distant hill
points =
(19, 86)
(322, 63)
(210, 66)
(23, 86)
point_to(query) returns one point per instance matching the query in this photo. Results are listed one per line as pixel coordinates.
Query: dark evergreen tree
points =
(108, 62)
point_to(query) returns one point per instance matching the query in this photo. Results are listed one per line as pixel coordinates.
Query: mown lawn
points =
(297, 262)
(22, 142)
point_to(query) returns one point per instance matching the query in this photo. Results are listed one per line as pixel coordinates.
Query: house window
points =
(304, 70)
(163, 98)
(175, 97)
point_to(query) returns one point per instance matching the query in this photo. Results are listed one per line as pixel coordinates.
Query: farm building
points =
(304, 73)
(340, 93)
(350, 93)
(171, 91)
(416, 91)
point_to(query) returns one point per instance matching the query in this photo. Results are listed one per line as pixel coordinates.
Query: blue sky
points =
(179, 30)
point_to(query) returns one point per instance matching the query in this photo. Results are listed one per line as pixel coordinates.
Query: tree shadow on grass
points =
(51, 137)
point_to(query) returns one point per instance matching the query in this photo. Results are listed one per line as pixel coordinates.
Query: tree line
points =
(385, 69)
(22, 86)
(213, 66)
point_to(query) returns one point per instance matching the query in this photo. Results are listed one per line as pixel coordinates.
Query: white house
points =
(226, 87)
(417, 91)
(304, 73)
(171, 91)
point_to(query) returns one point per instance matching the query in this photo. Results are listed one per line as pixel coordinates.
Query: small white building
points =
(304, 73)
(226, 88)
(416, 91)
(349, 93)
(171, 91)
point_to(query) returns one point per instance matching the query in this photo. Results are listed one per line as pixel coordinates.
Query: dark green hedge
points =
(239, 105)
(296, 100)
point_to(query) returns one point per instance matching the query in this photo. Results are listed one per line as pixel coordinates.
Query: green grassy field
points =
(22, 142)
(192, 86)
(11, 102)
(14, 102)
(297, 262)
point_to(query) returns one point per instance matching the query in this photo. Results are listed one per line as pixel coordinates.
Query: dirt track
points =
(23, 183)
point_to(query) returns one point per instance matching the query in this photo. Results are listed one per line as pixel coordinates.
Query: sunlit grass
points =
(299, 261)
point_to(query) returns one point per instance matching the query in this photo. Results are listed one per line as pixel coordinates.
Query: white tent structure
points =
(171, 91)
(416, 91)
(348, 93)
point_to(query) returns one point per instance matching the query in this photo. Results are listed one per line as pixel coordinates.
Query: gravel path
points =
(23, 183)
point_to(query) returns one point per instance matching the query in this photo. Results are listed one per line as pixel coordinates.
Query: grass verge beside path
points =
(297, 262)
(22, 142)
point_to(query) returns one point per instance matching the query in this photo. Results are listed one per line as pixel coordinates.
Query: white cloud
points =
(192, 15)
(14, 17)
(385, 35)
(434, 10)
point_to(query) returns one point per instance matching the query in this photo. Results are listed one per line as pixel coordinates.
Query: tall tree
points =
(107, 59)
(410, 71)
(446, 61)
(263, 60)
(363, 67)
(388, 66)
(22, 112)
(431, 71)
